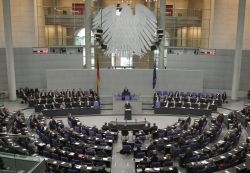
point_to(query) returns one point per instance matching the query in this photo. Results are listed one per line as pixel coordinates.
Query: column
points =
(162, 26)
(87, 24)
(9, 50)
(238, 49)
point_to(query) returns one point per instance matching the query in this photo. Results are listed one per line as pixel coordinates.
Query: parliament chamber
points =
(124, 86)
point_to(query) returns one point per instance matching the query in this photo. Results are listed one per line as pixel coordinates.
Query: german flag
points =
(97, 75)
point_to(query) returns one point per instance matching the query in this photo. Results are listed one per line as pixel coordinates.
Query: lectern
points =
(128, 114)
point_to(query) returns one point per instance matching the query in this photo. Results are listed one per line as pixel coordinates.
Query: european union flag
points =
(154, 75)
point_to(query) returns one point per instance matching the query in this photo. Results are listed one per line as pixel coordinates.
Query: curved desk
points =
(73, 111)
(139, 125)
(182, 111)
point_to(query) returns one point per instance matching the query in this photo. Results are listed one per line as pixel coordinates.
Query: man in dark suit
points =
(125, 92)
(127, 105)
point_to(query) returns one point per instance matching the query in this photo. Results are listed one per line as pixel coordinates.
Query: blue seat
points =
(212, 168)
(79, 151)
(127, 149)
(204, 157)
(160, 147)
(110, 137)
(192, 159)
(138, 145)
(193, 146)
(76, 161)
(98, 135)
(149, 153)
(65, 159)
(78, 129)
(184, 149)
(96, 105)
(167, 163)
(161, 135)
(46, 154)
(54, 142)
(90, 152)
(72, 139)
(206, 142)
(159, 93)
(127, 97)
(55, 156)
(165, 93)
(201, 170)
(70, 124)
(157, 104)
(140, 155)
(155, 164)
(91, 133)
(142, 138)
(72, 171)
(104, 144)
(91, 142)
(176, 152)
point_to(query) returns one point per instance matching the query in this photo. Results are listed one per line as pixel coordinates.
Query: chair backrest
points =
(78, 129)
(46, 153)
(155, 164)
(165, 93)
(127, 148)
(98, 135)
(65, 159)
(96, 104)
(127, 97)
(55, 156)
(75, 161)
(167, 163)
(138, 145)
(159, 92)
(157, 104)
(140, 155)
(70, 123)
(110, 137)
(91, 133)
(72, 171)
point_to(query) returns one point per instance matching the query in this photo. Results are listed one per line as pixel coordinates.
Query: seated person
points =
(69, 105)
(88, 103)
(52, 124)
(105, 127)
(101, 153)
(144, 163)
(127, 105)
(62, 106)
(125, 92)
(224, 97)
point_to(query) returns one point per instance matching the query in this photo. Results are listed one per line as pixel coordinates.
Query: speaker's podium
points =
(128, 114)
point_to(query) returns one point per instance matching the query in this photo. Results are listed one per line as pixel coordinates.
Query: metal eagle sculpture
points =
(125, 33)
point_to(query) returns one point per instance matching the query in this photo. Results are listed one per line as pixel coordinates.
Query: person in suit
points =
(143, 164)
(127, 105)
(105, 127)
(154, 158)
(224, 97)
(62, 106)
(125, 92)
(88, 103)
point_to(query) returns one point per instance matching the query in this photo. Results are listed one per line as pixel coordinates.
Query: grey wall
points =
(245, 71)
(217, 69)
(31, 69)
(3, 71)
(138, 81)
